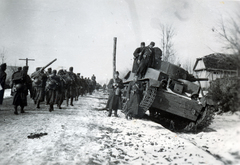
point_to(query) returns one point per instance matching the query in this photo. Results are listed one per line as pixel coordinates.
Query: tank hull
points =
(176, 104)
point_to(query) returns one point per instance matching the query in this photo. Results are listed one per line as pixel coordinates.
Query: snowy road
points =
(83, 134)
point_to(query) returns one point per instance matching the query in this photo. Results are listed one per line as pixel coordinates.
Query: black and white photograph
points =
(119, 82)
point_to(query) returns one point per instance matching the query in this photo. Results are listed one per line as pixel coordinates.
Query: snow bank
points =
(221, 139)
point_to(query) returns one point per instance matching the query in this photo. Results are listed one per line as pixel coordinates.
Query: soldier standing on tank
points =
(3, 76)
(53, 87)
(145, 60)
(39, 84)
(114, 99)
(21, 84)
(48, 73)
(137, 54)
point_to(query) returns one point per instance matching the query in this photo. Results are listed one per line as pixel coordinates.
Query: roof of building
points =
(219, 61)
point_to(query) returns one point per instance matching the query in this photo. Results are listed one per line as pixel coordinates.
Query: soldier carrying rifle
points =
(52, 87)
(39, 83)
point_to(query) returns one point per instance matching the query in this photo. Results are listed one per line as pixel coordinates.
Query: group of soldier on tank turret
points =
(52, 86)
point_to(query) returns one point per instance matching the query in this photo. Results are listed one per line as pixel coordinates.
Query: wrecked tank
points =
(172, 97)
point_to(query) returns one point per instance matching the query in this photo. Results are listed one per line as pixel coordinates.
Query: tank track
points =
(205, 119)
(148, 99)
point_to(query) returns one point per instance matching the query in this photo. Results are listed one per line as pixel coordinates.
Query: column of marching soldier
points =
(51, 87)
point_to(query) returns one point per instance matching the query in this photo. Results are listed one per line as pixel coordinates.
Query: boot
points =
(71, 102)
(15, 110)
(130, 116)
(59, 106)
(115, 113)
(22, 111)
(67, 101)
(110, 113)
(38, 104)
(51, 108)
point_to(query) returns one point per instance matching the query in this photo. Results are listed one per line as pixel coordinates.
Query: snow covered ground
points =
(7, 93)
(83, 134)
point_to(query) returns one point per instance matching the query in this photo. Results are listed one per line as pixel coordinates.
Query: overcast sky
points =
(80, 33)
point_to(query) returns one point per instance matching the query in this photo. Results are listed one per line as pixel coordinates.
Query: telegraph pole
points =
(114, 54)
(27, 59)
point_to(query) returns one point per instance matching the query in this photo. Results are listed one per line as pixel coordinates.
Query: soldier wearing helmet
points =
(39, 83)
(21, 84)
(52, 87)
(48, 73)
(71, 90)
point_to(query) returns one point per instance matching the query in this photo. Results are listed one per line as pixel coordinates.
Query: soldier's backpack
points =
(51, 84)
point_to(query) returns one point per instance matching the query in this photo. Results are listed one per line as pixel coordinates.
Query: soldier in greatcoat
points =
(72, 87)
(39, 84)
(114, 99)
(3, 76)
(21, 83)
(84, 85)
(62, 88)
(48, 74)
(94, 82)
(134, 96)
(53, 87)
(78, 86)
(136, 54)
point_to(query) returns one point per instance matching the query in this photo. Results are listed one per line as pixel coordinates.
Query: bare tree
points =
(3, 54)
(188, 66)
(229, 33)
(167, 35)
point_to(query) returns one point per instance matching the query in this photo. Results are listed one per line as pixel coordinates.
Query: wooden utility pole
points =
(27, 59)
(114, 54)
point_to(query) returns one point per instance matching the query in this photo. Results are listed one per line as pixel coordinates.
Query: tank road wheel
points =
(206, 117)
(148, 99)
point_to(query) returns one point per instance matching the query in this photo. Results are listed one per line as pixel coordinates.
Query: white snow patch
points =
(7, 93)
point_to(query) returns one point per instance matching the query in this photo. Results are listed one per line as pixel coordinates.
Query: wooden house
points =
(215, 66)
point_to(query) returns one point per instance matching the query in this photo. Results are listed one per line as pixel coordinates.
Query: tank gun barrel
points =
(198, 79)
